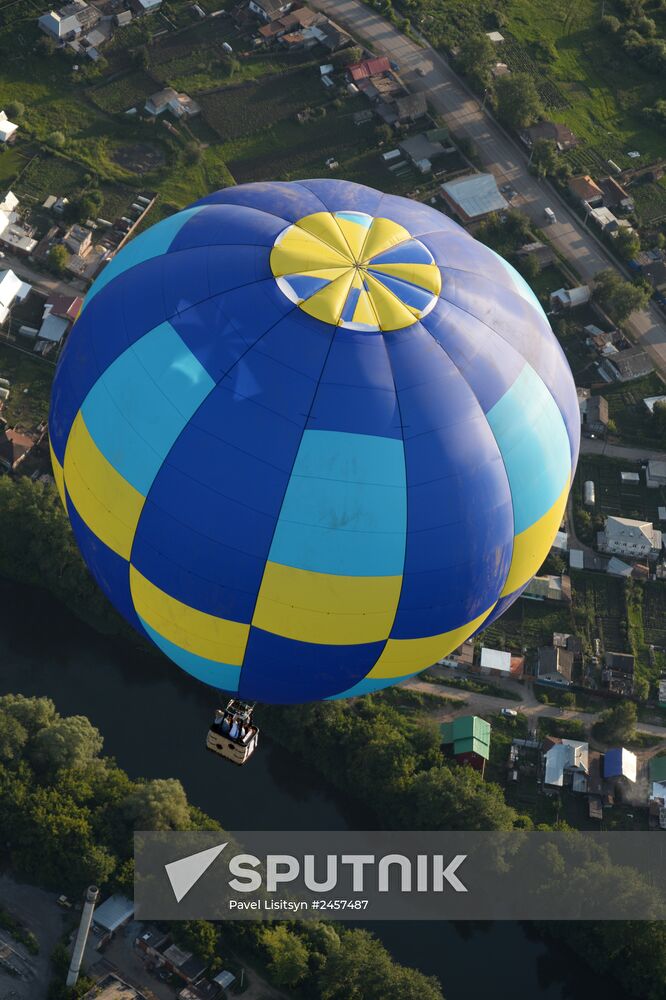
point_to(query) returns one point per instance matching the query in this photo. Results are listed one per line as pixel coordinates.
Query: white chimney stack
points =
(82, 935)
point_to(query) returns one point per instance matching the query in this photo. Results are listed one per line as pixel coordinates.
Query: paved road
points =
(589, 446)
(41, 281)
(529, 705)
(464, 115)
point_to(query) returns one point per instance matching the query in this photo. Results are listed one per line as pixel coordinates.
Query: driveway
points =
(500, 154)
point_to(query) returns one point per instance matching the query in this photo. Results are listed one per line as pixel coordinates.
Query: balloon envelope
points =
(311, 437)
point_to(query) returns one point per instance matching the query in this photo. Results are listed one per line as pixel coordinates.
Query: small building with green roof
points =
(468, 737)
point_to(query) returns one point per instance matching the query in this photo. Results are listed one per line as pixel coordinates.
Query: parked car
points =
(509, 713)
(550, 215)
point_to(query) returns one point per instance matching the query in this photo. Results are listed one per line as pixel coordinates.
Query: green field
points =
(600, 610)
(603, 90)
(526, 625)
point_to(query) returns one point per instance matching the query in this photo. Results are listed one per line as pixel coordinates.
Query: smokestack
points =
(82, 935)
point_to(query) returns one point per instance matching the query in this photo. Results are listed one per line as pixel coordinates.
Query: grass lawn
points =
(25, 372)
(604, 88)
(12, 161)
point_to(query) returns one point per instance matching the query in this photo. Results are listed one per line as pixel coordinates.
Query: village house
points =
(566, 763)
(594, 415)
(468, 740)
(620, 763)
(570, 298)
(462, 657)
(562, 136)
(623, 366)
(501, 663)
(78, 240)
(295, 20)
(12, 290)
(555, 665)
(8, 129)
(70, 21)
(624, 536)
(160, 949)
(542, 254)
(615, 197)
(60, 312)
(180, 105)
(410, 108)
(268, 10)
(548, 587)
(15, 445)
(473, 197)
(618, 673)
(651, 265)
(585, 190)
(140, 7)
(13, 231)
(422, 150)
(655, 473)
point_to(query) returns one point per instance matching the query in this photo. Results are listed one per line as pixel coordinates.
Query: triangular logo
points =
(186, 872)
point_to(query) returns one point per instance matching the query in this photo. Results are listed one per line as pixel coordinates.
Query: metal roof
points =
(495, 659)
(476, 195)
(620, 762)
(114, 912)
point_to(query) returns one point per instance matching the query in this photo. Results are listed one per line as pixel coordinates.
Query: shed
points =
(113, 913)
(620, 763)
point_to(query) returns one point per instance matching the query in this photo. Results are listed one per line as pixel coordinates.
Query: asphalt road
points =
(40, 280)
(594, 446)
(499, 153)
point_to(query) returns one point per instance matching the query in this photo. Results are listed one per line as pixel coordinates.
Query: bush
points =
(56, 139)
(610, 24)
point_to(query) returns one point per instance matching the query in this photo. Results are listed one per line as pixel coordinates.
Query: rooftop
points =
(114, 912)
(495, 659)
(369, 67)
(585, 188)
(476, 195)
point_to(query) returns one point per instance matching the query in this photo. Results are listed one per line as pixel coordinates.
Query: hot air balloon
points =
(311, 437)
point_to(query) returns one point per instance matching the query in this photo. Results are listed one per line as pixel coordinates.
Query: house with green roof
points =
(468, 738)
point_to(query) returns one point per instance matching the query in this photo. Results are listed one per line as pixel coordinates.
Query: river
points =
(154, 720)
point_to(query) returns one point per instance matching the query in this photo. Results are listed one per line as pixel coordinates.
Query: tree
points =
(544, 157)
(198, 936)
(67, 743)
(617, 724)
(454, 798)
(33, 713)
(383, 133)
(46, 45)
(627, 243)
(158, 805)
(347, 57)
(59, 257)
(362, 969)
(15, 109)
(610, 24)
(528, 265)
(518, 101)
(475, 58)
(56, 139)
(659, 420)
(13, 738)
(287, 956)
(619, 297)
